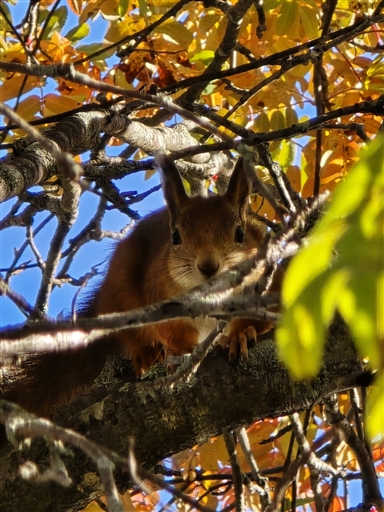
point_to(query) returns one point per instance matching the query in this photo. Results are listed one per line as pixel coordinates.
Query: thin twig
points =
(339, 422)
(140, 475)
(69, 204)
(192, 363)
(25, 244)
(16, 298)
(19, 423)
(260, 481)
(236, 471)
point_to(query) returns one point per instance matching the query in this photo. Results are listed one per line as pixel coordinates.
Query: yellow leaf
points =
(12, 86)
(291, 116)
(212, 452)
(13, 53)
(120, 80)
(208, 21)
(346, 457)
(109, 7)
(94, 507)
(125, 27)
(29, 107)
(149, 173)
(372, 124)
(55, 104)
(176, 31)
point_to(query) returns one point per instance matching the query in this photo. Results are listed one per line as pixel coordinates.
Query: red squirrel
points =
(167, 253)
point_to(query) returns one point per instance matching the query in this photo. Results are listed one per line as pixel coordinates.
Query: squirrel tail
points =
(43, 381)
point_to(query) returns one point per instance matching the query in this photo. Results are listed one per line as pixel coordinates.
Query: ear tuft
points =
(239, 187)
(173, 188)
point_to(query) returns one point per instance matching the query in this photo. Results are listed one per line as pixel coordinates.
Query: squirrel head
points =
(207, 234)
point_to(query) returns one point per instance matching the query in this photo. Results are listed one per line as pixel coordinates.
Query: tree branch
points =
(166, 420)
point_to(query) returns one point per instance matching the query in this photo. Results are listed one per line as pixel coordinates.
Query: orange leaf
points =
(262, 207)
(262, 452)
(372, 124)
(294, 176)
(378, 454)
(308, 188)
(304, 479)
(76, 6)
(337, 504)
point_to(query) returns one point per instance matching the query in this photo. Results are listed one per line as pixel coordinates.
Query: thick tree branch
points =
(164, 421)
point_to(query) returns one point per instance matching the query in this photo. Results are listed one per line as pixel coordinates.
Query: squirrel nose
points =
(208, 268)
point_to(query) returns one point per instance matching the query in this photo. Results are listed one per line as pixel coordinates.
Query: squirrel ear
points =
(239, 187)
(173, 188)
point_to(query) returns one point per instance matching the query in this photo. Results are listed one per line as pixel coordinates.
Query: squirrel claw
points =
(239, 343)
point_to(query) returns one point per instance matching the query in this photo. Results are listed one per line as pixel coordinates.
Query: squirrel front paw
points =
(238, 343)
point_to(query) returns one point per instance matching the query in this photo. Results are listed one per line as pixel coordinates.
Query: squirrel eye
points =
(239, 235)
(176, 238)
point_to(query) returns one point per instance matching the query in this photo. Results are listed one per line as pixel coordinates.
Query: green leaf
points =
(318, 281)
(302, 352)
(122, 8)
(287, 18)
(312, 261)
(206, 56)
(277, 120)
(3, 24)
(286, 154)
(210, 89)
(78, 33)
(309, 20)
(261, 124)
(375, 409)
(57, 22)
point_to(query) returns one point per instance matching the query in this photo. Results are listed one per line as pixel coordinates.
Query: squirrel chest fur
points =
(168, 253)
